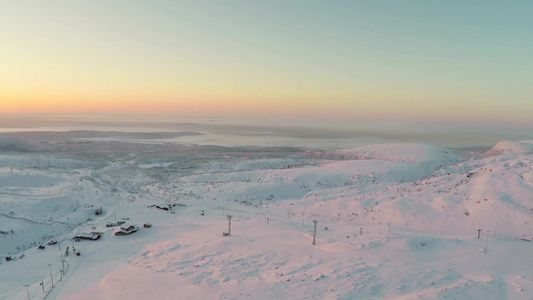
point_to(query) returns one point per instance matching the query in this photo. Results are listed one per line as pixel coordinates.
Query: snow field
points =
(418, 206)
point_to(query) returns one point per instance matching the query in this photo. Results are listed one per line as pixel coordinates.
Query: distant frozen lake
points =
(232, 133)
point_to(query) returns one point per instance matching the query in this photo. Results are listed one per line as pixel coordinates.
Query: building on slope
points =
(126, 229)
(91, 236)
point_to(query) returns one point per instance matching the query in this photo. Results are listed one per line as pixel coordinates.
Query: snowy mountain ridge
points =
(414, 153)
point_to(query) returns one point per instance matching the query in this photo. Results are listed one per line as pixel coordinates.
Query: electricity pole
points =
(63, 267)
(229, 224)
(486, 243)
(314, 233)
(28, 291)
(51, 277)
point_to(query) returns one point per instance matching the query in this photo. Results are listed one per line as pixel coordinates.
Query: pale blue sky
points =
(448, 61)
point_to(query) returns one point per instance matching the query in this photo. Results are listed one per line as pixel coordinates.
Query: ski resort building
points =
(92, 236)
(126, 229)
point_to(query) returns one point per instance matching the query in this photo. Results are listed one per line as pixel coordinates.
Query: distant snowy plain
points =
(393, 221)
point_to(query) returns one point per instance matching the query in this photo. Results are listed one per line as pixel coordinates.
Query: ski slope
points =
(394, 221)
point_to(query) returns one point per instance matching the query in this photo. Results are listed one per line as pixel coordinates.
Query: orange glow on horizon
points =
(365, 107)
(22, 104)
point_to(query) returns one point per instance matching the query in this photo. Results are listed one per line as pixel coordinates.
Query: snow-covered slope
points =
(414, 153)
(394, 221)
(510, 147)
(429, 155)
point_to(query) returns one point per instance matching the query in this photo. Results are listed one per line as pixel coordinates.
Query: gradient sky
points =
(449, 61)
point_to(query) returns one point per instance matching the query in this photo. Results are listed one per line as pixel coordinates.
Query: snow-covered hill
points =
(414, 153)
(394, 221)
(510, 147)
(8, 144)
